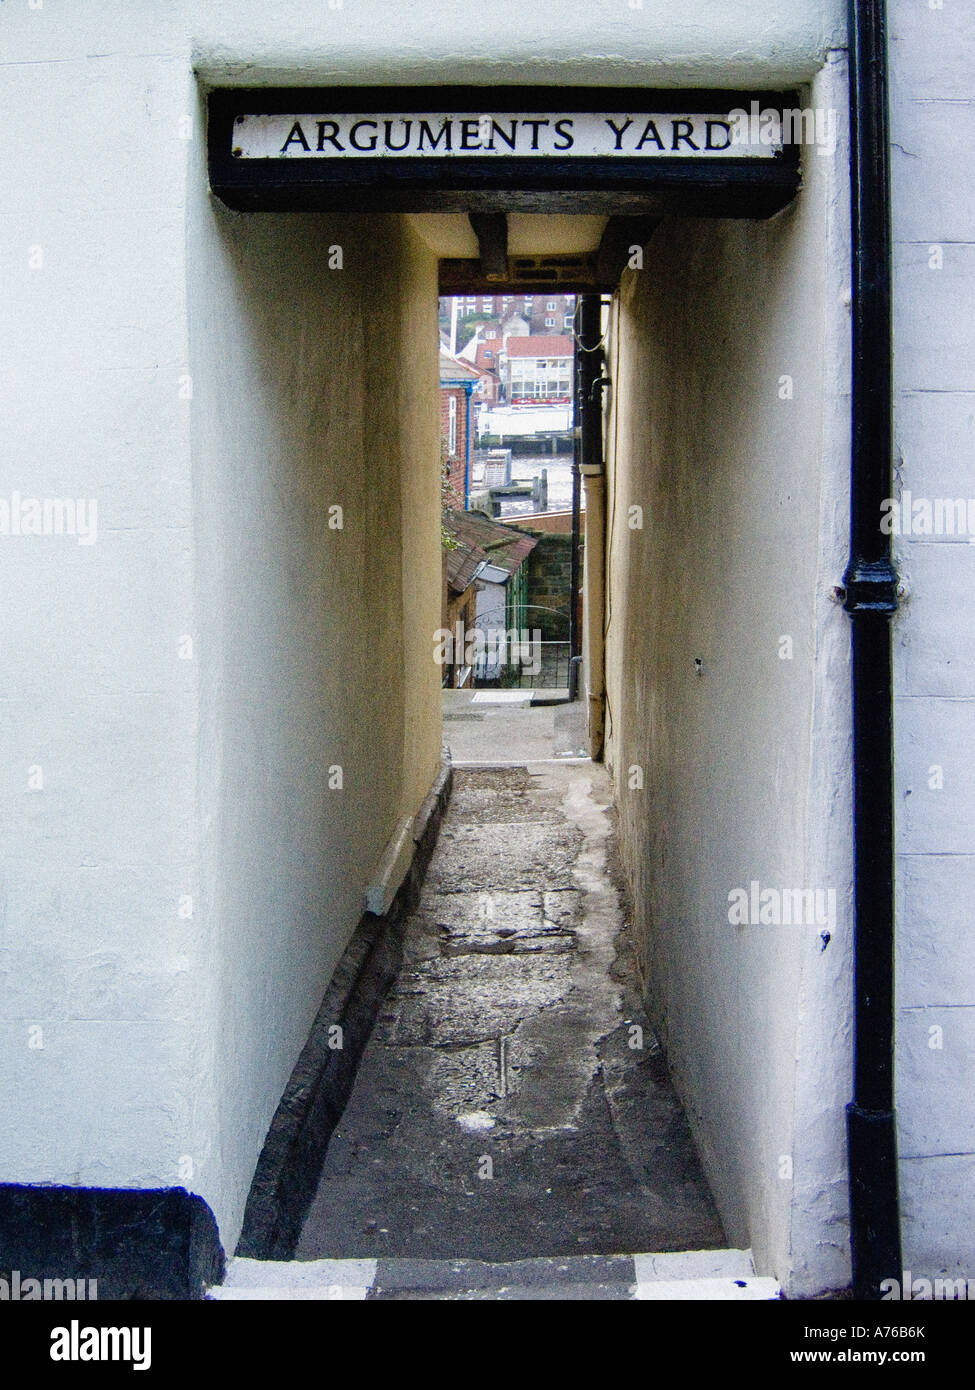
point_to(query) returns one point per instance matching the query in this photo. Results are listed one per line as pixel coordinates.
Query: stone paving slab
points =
(512, 1293)
(470, 998)
(500, 922)
(468, 1275)
(475, 858)
(493, 795)
(500, 1112)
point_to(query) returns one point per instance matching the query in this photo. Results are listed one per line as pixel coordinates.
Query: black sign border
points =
(691, 186)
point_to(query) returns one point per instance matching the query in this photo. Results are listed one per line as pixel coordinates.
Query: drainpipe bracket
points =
(871, 587)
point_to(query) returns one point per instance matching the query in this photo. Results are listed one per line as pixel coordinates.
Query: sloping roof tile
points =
(452, 370)
(541, 345)
(462, 565)
(499, 545)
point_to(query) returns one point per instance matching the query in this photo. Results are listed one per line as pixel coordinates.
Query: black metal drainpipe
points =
(871, 599)
(587, 440)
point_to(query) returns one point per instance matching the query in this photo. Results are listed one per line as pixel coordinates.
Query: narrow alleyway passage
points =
(500, 1111)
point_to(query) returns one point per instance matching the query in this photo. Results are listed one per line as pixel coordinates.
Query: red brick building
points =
(552, 313)
(545, 312)
(458, 383)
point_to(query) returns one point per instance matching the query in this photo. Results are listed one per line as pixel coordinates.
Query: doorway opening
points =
(701, 454)
(513, 522)
(513, 1101)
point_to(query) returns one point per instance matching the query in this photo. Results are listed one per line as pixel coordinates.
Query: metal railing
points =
(534, 665)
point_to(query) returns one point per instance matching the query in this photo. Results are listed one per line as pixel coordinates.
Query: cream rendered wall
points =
(312, 389)
(745, 765)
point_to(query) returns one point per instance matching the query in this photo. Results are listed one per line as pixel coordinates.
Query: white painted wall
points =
(139, 283)
(215, 388)
(745, 765)
(625, 42)
(94, 343)
(933, 126)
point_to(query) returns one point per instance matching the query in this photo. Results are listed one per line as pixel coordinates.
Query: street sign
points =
(458, 135)
(622, 151)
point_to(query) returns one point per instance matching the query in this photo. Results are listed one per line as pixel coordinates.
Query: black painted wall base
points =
(294, 1151)
(136, 1244)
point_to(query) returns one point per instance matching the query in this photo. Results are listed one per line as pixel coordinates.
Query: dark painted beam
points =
(491, 230)
(525, 275)
(621, 234)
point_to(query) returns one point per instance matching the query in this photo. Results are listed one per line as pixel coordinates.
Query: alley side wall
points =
(728, 691)
(315, 390)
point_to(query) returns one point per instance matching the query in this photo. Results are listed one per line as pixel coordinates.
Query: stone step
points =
(714, 1275)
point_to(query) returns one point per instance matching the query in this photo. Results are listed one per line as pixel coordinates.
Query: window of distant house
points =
(452, 426)
(551, 306)
(488, 354)
(540, 378)
(491, 333)
(550, 322)
(486, 302)
(569, 320)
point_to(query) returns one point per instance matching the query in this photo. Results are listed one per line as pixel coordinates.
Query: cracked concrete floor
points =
(500, 1111)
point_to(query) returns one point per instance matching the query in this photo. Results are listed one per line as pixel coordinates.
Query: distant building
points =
(483, 352)
(552, 313)
(487, 392)
(458, 383)
(514, 325)
(538, 369)
(488, 331)
(493, 556)
(543, 313)
(462, 563)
